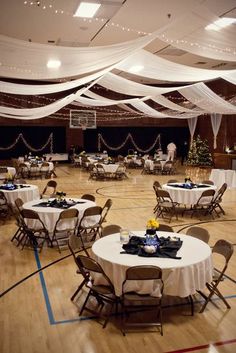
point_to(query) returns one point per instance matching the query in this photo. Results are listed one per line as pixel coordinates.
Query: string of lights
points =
(59, 11)
(32, 149)
(129, 136)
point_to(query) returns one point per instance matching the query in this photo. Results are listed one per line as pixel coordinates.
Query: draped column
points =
(215, 123)
(192, 126)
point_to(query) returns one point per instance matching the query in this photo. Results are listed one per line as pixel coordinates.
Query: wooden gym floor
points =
(37, 315)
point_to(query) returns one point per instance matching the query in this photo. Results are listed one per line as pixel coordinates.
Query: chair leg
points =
(78, 290)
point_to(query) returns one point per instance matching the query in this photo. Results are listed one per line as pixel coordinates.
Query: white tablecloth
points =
(110, 168)
(49, 215)
(28, 193)
(57, 156)
(182, 277)
(221, 176)
(51, 166)
(10, 170)
(186, 196)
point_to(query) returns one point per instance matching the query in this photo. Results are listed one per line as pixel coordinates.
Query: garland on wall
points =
(32, 149)
(128, 137)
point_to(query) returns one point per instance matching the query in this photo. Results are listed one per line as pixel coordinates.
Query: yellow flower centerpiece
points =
(152, 240)
(152, 226)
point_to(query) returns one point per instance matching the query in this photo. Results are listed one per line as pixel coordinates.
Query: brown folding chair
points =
(50, 189)
(104, 293)
(132, 302)
(19, 234)
(199, 233)
(165, 205)
(217, 200)
(64, 227)
(88, 197)
(89, 226)
(75, 246)
(34, 229)
(226, 249)
(204, 203)
(5, 209)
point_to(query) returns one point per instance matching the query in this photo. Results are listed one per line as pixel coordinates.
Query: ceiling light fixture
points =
(136, 68)
(53, 64)
(221, 23)
(87, 9)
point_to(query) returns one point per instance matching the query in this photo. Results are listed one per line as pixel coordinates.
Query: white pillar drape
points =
(215, 123)
(192, 126)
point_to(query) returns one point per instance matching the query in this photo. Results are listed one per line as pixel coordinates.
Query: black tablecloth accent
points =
(189, 186)
(168, 248)
(58, 204)
(13, 187)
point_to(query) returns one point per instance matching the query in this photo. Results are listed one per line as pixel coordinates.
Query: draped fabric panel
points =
(215, 123)
(143, 107)
(206, 99)
(122, 85)
(155, 67)
(21, 59)
(194, 38)
(192, 127)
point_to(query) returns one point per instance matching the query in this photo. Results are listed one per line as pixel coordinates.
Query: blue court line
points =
(52, 321)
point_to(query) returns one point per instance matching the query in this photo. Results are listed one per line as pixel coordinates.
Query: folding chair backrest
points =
(110, 229)
(90, 265)
(165, 228)
(207, 196)
(220, 193)
(19, 203)
(143, 273)
(105, 209)
(92, 216)
(199, 233)
(88, 197)
(163, 195)
(224, 248)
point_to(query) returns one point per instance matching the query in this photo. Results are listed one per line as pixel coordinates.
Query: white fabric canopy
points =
(202, 96)
(154, 67)
(195, 39)
(122, 85)
(27, 60)
(143, 107)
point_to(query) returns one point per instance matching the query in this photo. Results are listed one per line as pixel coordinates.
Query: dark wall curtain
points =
(36, 136)
(143, 137)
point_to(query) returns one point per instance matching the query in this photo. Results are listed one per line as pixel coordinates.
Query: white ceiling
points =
(52, 21)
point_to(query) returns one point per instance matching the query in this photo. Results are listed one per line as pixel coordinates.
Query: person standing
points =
(171, 151)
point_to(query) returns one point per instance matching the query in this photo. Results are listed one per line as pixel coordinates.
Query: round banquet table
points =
(10, 170)
(186, 196)
(51, 166)
(110, 168)
(27, 193)
(221, 176)
(182, 277)
(49, 215)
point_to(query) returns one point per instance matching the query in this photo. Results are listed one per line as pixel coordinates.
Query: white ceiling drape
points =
(202, 96)
(24, 60)
(194, 38)
(155, 67)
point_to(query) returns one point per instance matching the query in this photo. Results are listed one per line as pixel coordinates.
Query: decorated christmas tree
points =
(199, 154)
